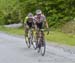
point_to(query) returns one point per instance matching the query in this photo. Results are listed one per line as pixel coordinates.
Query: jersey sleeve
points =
(44, 18)
(25, 20)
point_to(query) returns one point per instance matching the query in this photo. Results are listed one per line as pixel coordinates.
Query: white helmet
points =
(30, 15)
(38, 12)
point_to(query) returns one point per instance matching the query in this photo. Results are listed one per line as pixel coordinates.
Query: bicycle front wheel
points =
(28, 43)
(34, 42)
(43, 48)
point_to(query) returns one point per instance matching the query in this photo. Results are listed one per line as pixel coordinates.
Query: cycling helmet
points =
(38, 12)
(30, 15)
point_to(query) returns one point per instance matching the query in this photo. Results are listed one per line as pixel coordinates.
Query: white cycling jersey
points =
(41, 19)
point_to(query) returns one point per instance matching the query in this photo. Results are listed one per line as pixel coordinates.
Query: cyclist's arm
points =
(45, 22)
(47, 26)
(25, 20)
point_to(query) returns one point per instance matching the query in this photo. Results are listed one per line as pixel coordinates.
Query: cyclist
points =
(40, 21)
(28, 23)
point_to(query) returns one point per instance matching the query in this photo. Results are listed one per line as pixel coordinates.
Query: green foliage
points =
(57, 11)
(7, 8)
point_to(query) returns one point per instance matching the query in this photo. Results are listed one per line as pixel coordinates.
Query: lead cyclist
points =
(40, 21)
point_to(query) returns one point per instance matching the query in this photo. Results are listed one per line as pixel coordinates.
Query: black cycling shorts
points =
(39, 25)
(30, 24)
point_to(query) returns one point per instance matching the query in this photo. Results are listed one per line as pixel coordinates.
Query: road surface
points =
(14, 50)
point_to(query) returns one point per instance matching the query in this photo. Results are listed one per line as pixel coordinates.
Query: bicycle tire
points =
(44, 48)
(27, 42)
(34, 43)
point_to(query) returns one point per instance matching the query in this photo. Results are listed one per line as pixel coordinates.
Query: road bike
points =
(41, 44)
(30, 40)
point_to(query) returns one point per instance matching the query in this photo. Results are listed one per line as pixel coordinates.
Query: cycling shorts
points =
(39, 25)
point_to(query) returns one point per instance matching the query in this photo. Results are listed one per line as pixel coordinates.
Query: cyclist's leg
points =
(39, 26)
(26, 30)
(41, 33)
(28, 26)
(36, 34)
(31, 28)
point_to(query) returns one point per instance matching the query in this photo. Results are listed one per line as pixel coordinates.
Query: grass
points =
(15, 31)
(54, 36)
(61, 38)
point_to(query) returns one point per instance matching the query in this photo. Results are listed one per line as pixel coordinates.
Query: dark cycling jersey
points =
(29, 22)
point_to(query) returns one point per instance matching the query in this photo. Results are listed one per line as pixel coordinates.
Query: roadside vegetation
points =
(55, 36)
(57, 12)
(14, 31)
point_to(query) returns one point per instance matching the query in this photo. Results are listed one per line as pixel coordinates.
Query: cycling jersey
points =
(28, 22)
(39, 21)
(42, 18)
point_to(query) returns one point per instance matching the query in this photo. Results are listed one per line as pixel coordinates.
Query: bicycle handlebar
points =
(46, 30)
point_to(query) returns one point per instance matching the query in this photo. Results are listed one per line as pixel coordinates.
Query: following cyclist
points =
(28, 23)
(40, 19)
